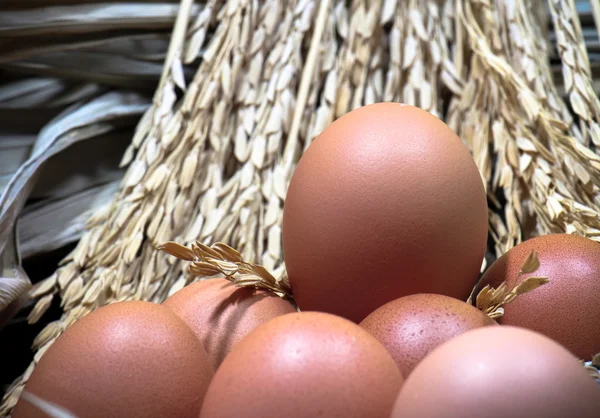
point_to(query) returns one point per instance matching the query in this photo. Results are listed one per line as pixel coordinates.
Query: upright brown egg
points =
(303, 365)
(565, 309)
(499, 372)
(412, 326)
(385, 203)
(221, 314)
(128, 359)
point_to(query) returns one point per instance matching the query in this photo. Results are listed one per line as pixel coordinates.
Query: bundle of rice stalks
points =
(212, 156)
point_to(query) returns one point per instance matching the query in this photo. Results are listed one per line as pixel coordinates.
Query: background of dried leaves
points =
(211, 157)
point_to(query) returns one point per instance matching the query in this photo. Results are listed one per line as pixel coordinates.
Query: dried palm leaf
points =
(142, 47)
(87, 18)
(50, 225)
(48, 408)
(80, 122)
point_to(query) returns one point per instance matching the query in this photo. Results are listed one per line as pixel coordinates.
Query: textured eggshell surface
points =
(499, 372)
(127, 359)
(567, 308)
(305, 365)
(221, 314)
(386, 202)
(412, 326)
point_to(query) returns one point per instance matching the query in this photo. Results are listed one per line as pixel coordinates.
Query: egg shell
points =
(412, 326)
(385, 203)
(221, 314)
(565, 309)
(302, 365)
(127, 359)
(499, 372)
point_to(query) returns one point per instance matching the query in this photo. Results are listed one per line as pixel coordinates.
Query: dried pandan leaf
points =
(490, 300)
(223, 259)
(48, 408)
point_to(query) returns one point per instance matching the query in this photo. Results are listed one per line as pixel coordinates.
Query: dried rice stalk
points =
(491, 300)
(221, 259)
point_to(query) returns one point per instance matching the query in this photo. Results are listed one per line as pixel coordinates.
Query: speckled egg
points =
(303, 365)
(221, 314)
(565, 309)
(412, 326)
(127, 359)
(499, 372)
(386, 202)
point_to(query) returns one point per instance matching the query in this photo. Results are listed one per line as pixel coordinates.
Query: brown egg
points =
(385, 203)
(128, 359)
(221, 314)
(303, 365)
(568, 307)
(412, 326)
(499, 372)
